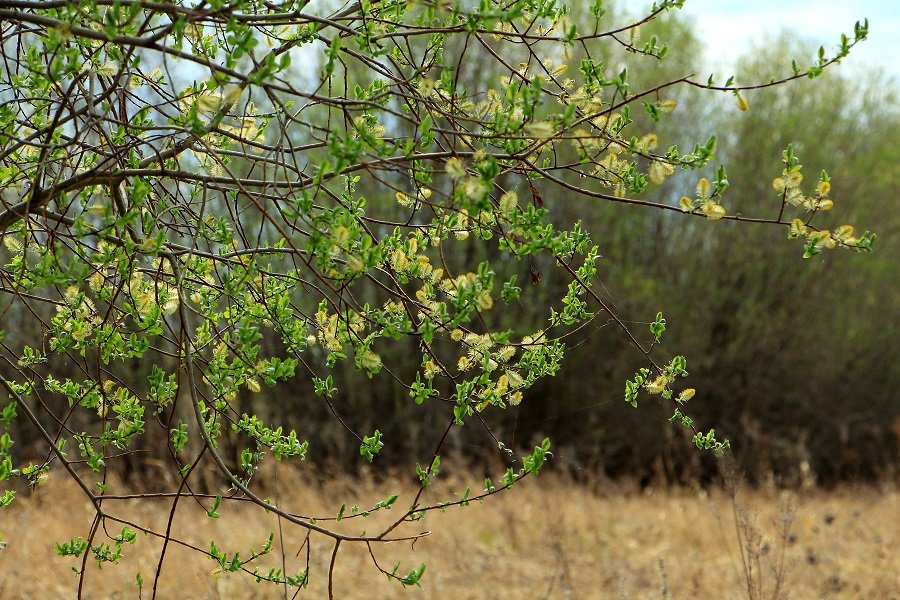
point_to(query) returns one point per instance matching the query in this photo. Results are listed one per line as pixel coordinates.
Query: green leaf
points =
(212, 511)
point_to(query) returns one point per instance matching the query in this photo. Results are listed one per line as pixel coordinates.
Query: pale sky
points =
(729, 27)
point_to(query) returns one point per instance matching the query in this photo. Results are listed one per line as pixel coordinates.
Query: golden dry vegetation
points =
(549, 538)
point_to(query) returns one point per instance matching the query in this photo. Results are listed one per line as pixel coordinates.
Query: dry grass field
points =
(549, 538)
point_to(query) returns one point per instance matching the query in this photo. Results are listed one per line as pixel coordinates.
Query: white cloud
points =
(730, 27)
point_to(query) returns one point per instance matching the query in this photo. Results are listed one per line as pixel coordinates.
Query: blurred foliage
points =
(795, 359)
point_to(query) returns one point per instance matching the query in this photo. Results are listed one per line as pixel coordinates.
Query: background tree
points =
(205, 201)
(741, 302)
